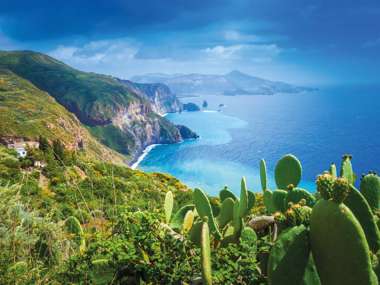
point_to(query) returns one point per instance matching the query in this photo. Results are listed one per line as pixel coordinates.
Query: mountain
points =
(161, 97)
(233, 83)
(117, 114)
(27, 112)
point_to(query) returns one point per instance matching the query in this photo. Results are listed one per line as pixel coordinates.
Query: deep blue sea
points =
(318, 127)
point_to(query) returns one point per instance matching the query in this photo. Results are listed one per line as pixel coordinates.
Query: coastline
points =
(143, 154)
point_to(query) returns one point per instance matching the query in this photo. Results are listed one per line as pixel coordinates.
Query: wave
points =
(143, 155)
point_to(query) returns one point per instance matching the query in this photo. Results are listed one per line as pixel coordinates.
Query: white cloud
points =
(249, 52)
(96, 52)
(121, 58)
(233, 35)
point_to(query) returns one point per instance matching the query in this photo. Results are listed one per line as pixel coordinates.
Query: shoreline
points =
(143, 154)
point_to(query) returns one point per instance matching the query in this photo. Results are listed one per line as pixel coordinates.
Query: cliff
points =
(163, 100)
(119, 116)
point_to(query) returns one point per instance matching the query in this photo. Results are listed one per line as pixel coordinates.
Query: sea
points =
(237, 131)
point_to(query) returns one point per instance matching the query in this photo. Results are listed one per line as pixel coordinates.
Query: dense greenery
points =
(78, 221)
(26, 111)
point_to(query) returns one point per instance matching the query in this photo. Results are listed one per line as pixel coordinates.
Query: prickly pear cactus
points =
(268, 201)
(325, 184)
(346, 169)
(295, 215)
(251, 200)
(362, 211)
(188, 221)
(168, 206)
(297, 194)
(263, 175)
(289, 257)
(333, 171)
(178, 218)
(279, 200)
(226, 212)
(338, 242)
(206, 254)
(195, 233)
(74, 227)
(226, 193)
(243, 203)
(370, 188)
(202, 204)
(288, 171)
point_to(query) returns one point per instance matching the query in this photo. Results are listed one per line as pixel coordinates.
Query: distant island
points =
(191, 107)
(230, 84)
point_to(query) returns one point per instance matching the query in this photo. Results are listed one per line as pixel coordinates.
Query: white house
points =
(21, 152)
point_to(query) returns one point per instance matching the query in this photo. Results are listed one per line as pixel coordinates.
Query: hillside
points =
(27, 112)
(233, 83)
(101, 102)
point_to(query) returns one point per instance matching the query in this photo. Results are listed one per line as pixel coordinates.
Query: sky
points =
(298, 41)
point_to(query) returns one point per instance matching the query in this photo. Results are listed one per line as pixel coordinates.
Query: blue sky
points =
(309, 42)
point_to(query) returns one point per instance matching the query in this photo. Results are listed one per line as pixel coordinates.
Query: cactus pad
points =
(263, 175)
(288, 171)
(339, 246)
(370, 188)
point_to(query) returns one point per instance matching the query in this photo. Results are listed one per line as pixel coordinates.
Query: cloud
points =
(100, 52)
(249, 52)
(234, 35)
(123, 58)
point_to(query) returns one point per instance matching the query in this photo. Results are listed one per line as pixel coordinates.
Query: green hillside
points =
(26, 111)
(98, 101)
(92, 97)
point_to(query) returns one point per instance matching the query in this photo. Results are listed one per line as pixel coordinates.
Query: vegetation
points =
(96, 100)
(27, 112)
(78, 221)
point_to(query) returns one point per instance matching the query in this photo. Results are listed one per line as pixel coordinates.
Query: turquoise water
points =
(317, 127)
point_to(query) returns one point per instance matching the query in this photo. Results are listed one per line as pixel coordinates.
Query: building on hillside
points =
(21, 152)
(19, 145)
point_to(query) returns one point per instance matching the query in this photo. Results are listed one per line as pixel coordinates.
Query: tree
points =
(44, 144)
(58, 150)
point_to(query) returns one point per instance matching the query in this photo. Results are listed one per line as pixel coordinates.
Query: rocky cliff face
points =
(160, 96)
(144, 127)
